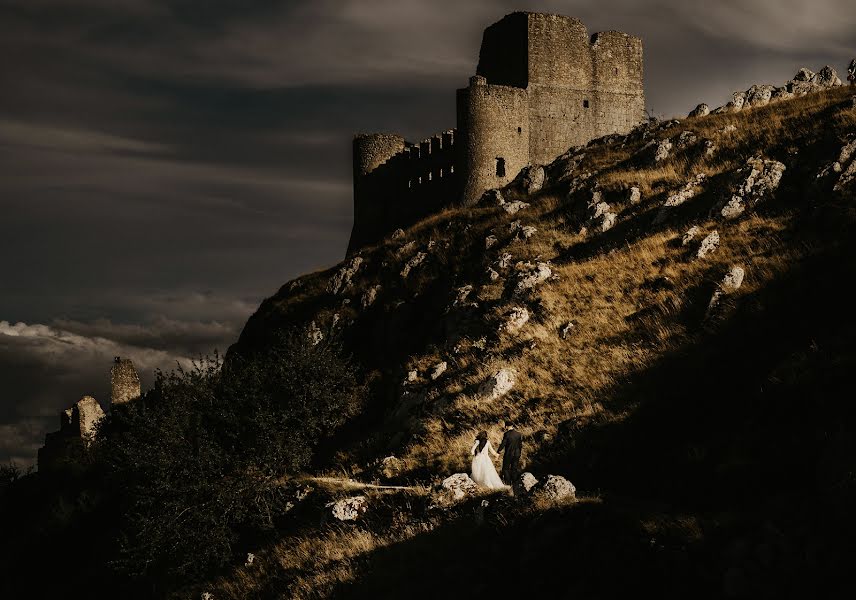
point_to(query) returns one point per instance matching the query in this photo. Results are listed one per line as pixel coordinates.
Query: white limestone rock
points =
(414, 262)
(709, 245)
(662, 151)
(513, 208)
(528, 481)
(730, 283)
(634, 195)
(558, 489)
(499, 384)
(314, 334)
(457, 487)
(759, 95)
(391, 466)
(369, 296)
(438, 370)
(489, 242)
(690, 235)
(760, 179)
(691, 189)
(348, 509)
(530, 276)
(342, 279)
(686, 138)
(532, 179)
(566, 330)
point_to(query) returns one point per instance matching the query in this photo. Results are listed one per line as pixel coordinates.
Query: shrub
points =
(201, 458)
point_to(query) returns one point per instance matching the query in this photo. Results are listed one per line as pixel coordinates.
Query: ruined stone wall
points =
(409, 183)
(77, 427)
(494, 124)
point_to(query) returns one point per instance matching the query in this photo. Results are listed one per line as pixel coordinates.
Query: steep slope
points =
(672, 310)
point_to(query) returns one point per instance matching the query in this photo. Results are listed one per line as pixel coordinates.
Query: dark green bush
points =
(204, 455)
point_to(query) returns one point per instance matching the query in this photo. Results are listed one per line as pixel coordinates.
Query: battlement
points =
(542, 85)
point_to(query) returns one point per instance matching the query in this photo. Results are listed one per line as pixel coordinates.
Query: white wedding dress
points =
(483, 471)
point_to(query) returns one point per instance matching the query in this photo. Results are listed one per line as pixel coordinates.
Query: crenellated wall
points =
(397, 183)
(542, 85)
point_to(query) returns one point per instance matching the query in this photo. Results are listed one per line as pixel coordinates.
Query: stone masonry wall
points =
(124, 381)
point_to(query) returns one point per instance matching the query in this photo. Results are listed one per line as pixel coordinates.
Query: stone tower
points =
(124, 381)
(77, 426)
(542, 85)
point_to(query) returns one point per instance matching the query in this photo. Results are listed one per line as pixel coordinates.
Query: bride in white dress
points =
(483, 471)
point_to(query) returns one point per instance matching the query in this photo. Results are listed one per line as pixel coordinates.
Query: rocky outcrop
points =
(527, 482)
(77, 427)
(844, 167)
(499, 384)
(531, 179)
(804, 82)
(369, 296)
(390, 467)
(513, 208)
(731, 282)
(348, 509)
(678, 197)
(411, 264)
(342, 279)
(690, 235)
(314, 334)
(702, 110)
(522, 232)
(634, 195)
(759, 180)
(515, 319)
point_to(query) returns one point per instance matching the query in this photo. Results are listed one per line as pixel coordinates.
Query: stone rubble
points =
(414, 262)
(530, 276)
(314, 334)
(528, 481)
(634, 195)
(348, 509)
(690, 235)
(456, 488)
(760, 178)
(370, 296)
(516, 319)
(558, 489)
(689, 190)
(513, 208)
(438, 370)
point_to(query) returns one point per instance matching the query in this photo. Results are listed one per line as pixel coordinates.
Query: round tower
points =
(494, 123)
(373, 149)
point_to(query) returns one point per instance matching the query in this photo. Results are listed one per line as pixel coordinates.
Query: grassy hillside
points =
(712, 447)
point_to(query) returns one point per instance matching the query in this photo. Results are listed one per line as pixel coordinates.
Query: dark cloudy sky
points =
(166, 164)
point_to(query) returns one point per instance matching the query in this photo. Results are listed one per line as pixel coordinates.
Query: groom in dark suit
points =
(512, 446)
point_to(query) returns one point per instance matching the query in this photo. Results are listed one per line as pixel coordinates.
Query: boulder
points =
(702, 110)
(662, 150)
(759, 180)
(492, 274)
(710, 148)
(826, 77)
(514, 207)
(730, 282)
(558, 489)
(566, 330)
(678, 197)
(634, 195)
(804, 75)
(532, 178)
(251, 558)
(527, 482)
(759, 95)
(348, 509)
(414, 262)
(462, 295)
(342, 279)
(686, 138)
(531, 276)
(455, 488)
(709, 245)
(398, 233)
(690, 235)
(516, 319)
(504, 261)
(489, 241)
(522, 232)
(438, 370)
(391, 467)
(499, 384)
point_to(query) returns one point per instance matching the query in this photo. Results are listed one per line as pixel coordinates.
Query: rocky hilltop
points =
(663, 314)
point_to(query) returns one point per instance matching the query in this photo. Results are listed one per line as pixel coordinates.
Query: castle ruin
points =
(542, 85)
(78, 424)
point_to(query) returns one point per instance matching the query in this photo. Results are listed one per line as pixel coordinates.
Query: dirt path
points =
(350, 484)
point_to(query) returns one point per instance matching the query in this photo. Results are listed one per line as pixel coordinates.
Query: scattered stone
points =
(514, 207)
(558, 489)
(761, 177)
(710, 148)
(499, 384)
(348, 509)
(804, 75)
(690, 235)
(414, 262)
(730, 128)
(456, 488)
(398, 233)
(438, 370)
(207, 596)
(709, 245)
(516, 319)
(522, 232)
(847, 178)
(690, 190)
(370, 296)
(530, 276)
(702, 110)
(314, 334)
(251, 558)
(663, 149)
(634, 195)
(342, 279)
(391, 466)
(492, 275)
(840, 166)
(528, 481)
(759, 95)
(686, 138)
(730, 282)
(827, 77)
(504, 261)
(412, 377)
(490, 241)
(566, 331)
(608, 221)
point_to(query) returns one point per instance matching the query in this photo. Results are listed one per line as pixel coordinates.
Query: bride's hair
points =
(482, 440)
